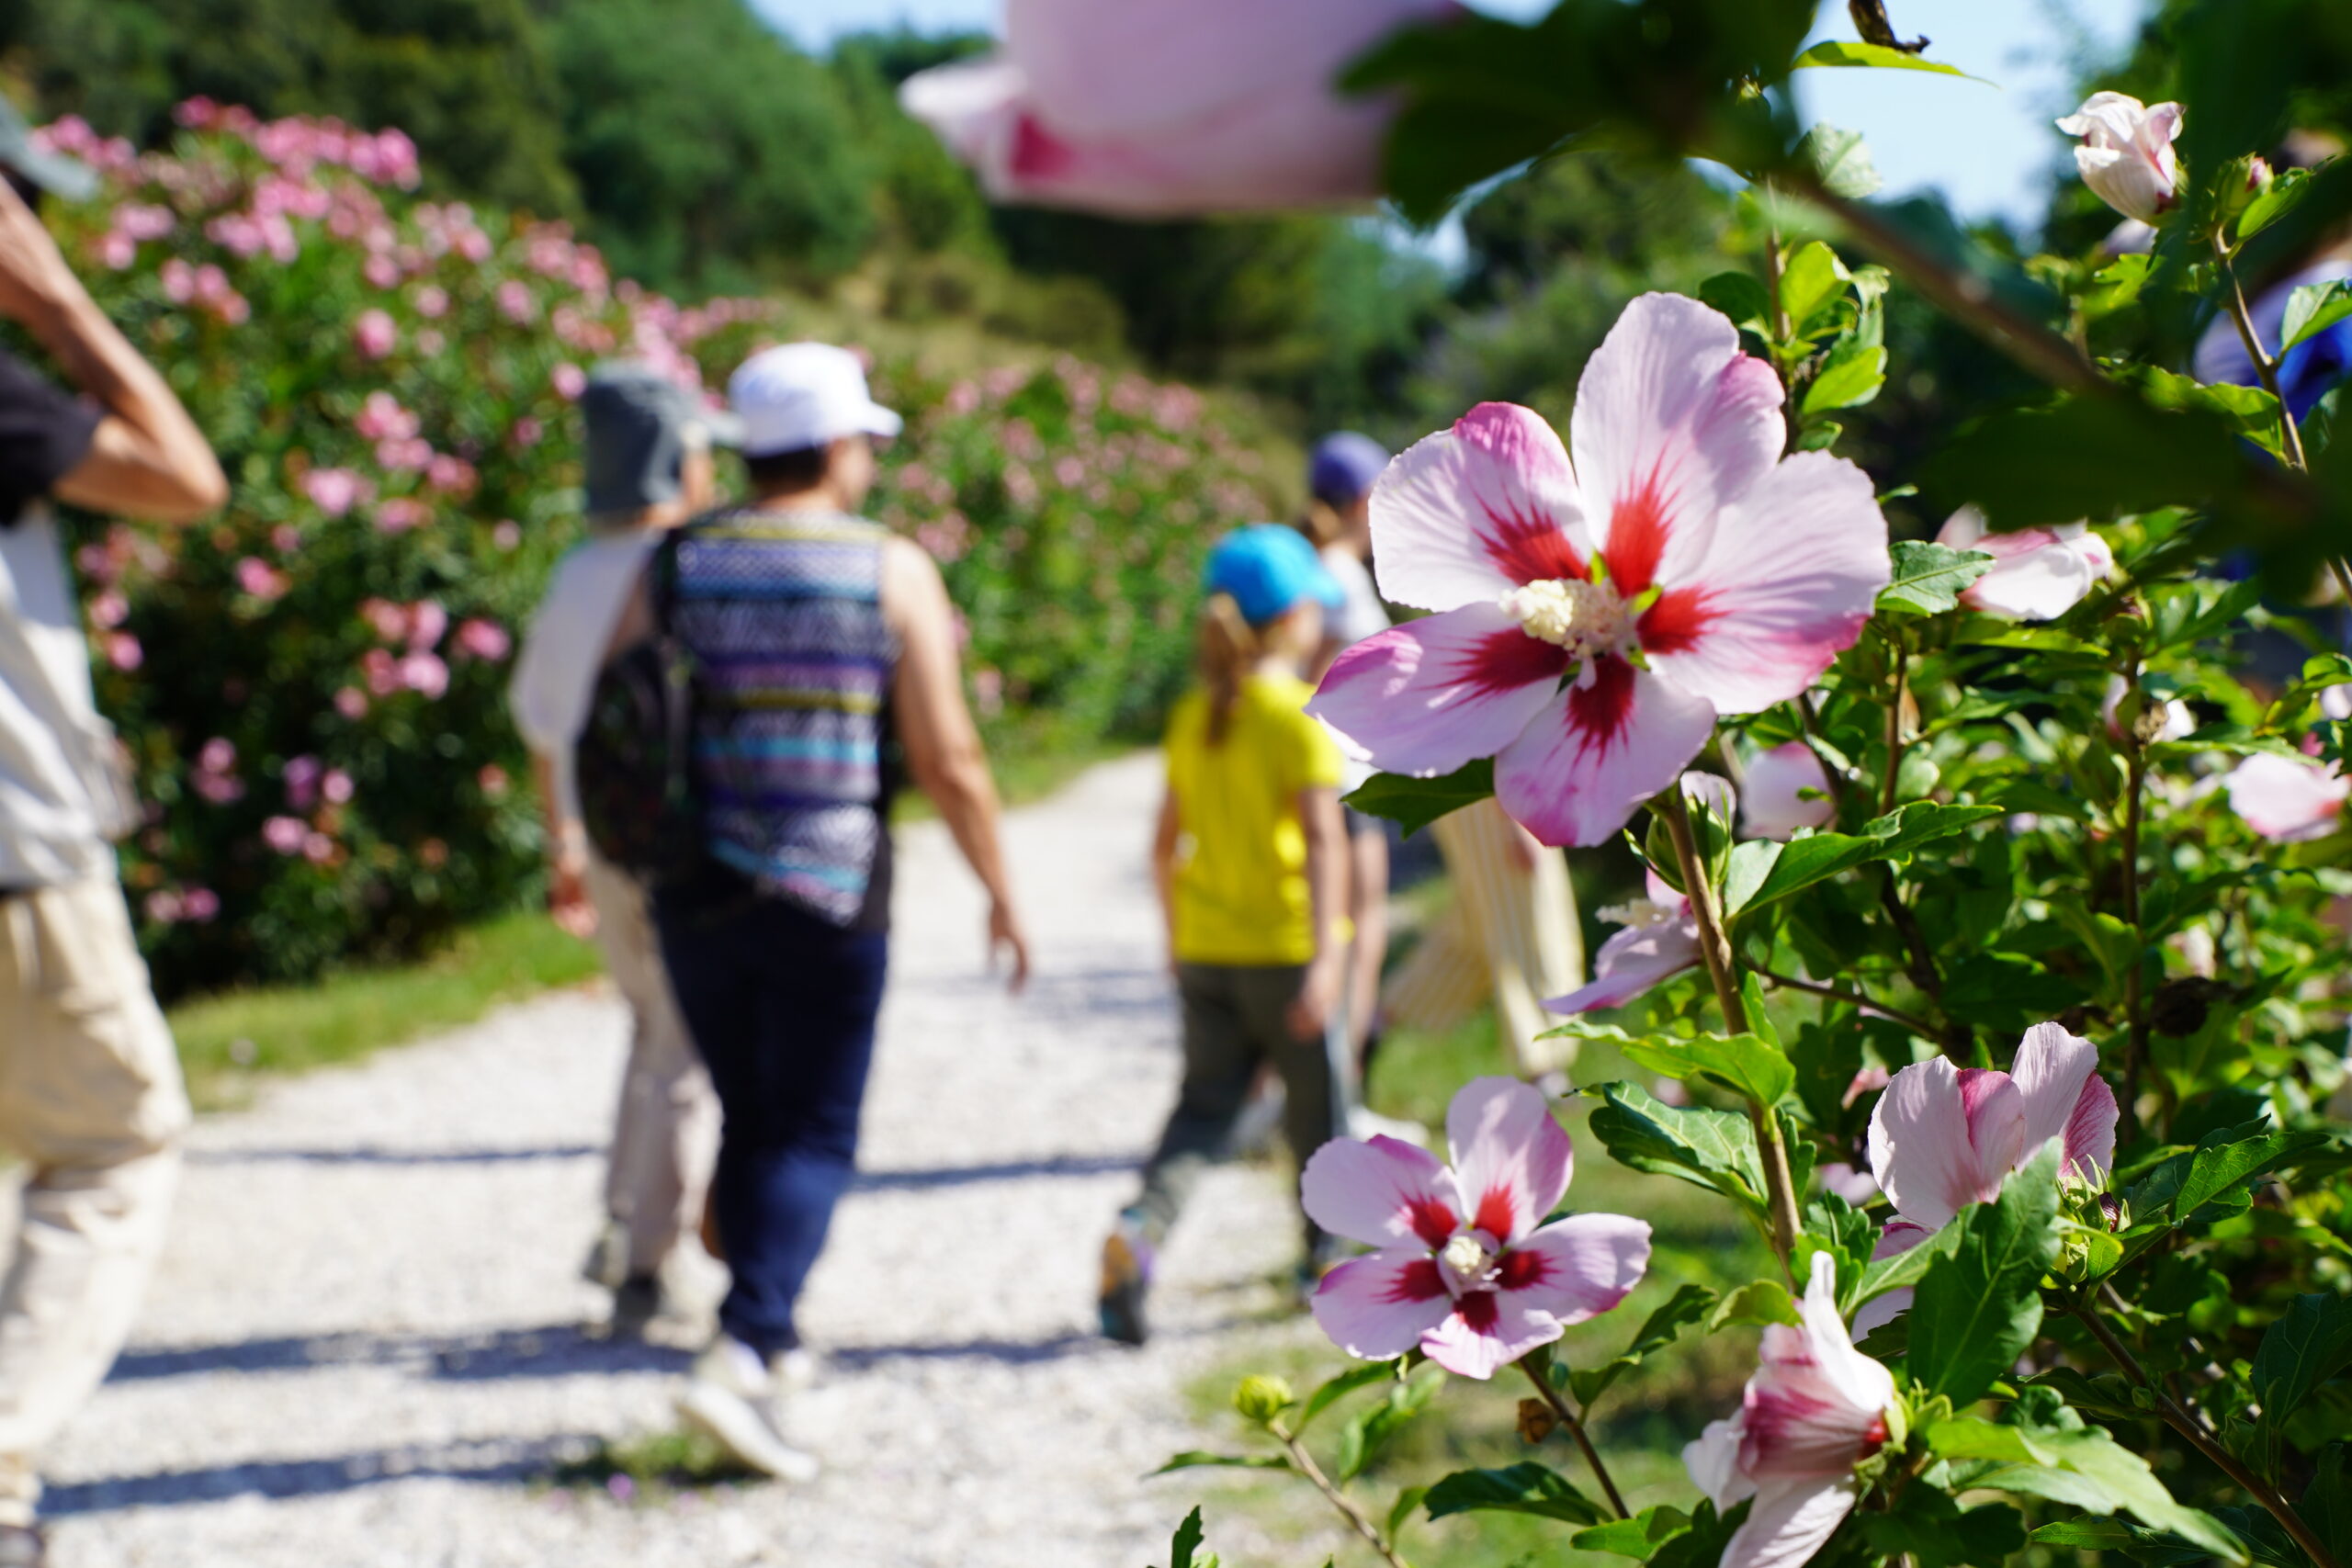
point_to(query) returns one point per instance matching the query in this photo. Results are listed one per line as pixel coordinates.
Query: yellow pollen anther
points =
(1466, 1256)
(1583, 617)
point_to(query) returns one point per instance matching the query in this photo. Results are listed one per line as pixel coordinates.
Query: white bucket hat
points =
(802, 395)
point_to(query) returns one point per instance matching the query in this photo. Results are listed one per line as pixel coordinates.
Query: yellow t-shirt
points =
(1241, 891)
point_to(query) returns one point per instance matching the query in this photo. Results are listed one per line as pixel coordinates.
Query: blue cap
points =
(1267, 568)
(1343, 466)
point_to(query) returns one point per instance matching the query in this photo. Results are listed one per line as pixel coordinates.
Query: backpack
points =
(634, 761)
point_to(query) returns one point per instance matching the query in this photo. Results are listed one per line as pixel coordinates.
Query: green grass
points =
(1640, 1425)
(652, 1468)
(227, 1041)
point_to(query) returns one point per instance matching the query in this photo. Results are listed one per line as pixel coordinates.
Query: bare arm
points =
(1164, 836)
(1327, 887)
(147, 459)
(943, 745)
(568, 898)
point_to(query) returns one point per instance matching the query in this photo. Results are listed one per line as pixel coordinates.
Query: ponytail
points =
(1227, 650)
(1322, 524)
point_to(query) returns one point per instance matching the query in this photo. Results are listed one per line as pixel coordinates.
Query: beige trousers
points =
(1510, 934)
(666, 1136)
(91, 1099)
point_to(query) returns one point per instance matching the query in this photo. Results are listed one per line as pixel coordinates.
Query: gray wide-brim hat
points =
(52, 171)
(639, 424)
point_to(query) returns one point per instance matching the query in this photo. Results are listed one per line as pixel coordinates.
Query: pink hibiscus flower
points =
(1942, 1137)
(1595, 617)
(2038, 574)
(1785, 789)
(1465, 1269)
(1815, 1409)
(1660, 939)
(2286, 798)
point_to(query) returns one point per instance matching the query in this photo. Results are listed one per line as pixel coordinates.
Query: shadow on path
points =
(509, 1462)
(1041, 1168)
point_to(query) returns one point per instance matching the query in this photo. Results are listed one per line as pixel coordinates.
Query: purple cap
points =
(1343, 466)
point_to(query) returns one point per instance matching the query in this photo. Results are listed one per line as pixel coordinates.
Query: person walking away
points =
(826, 661)
(1251, 859)
(90, 1092)
(647, 451)
(1340, 473)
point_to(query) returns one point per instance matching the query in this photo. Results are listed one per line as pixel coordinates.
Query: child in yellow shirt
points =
(1251, 859)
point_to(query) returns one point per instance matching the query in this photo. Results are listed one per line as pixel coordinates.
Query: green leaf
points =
(1850, 378)
(1978, 1310)
(1339, 1388)
(1739, 296)
(1740, 1063)
(1523, 1488)
(1635, 1537)
(1928, 579)
(1930, 1528)
(1709, 1149)
(1814, 280)
(1402, 1509)
(2223, 1161)
(2312, 310)
(1872, 56)
(2286, 191)
(2309, 1343)
(1362, 1438)
(2088, 1470)
(1835, 1226)
(2087, 1534)
(1196, 1459)
(1415, 803)
(1803, 862)
(1688, 1304)
(1756, 1304)
(1906, 1268)
(1181, 1550)
(1842, 161)
(2092, 458)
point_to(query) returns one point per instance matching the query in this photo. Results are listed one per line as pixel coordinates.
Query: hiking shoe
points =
(637, 1301)
(734, 1397)
(608, 1261)
(1127, 1279)
(22, 1546)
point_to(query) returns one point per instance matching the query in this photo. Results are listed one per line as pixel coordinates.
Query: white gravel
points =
(365, 1347)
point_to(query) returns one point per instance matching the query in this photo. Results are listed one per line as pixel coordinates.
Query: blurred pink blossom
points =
(427, 621)
(302, 782)
(432, 302)
(337, 786)
(178, 280)
(123, 651)
(507, 534)
(492, 779)
(163, 906)
(527, 432)
(109, 609)
(380, 670)
(569, 380)
(426, 674)
(401, 513)
(375, 334)
(451, 476)
(337, 491)
(200, 904)
(285, 834)
(514, 301)
(405, 454)
(318, 849)
(117, 249)
(381, 416)
(351, 702)
(387, 620)
(382, 271)
(480, 638)
(263, 580)
(286, 538)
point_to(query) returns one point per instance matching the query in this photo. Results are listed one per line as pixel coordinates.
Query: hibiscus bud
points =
(2150, 725)
(2112, 1213)
(2126, 155)
(1536, 1421)
(1260, 1399)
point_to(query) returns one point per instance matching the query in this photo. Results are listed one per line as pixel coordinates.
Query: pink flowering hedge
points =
(313, 681)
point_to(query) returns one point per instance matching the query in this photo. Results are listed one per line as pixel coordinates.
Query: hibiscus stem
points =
(1339, 1500)
(2136, 1006)
(1896, 740)
(1912, 1022)
(2291, 439)
(1542, 1382)
(1723, 970)
(2181, 1419)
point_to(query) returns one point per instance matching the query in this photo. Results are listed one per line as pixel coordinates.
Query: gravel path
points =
(365, 1348)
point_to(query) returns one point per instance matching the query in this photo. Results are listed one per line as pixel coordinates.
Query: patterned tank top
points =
(783, 613)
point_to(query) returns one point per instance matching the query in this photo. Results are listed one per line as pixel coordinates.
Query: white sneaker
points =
(731, 1395)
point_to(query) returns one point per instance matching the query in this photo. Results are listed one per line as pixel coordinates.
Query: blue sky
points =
(1989, 148)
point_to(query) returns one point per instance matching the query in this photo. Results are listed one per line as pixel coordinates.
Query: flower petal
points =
(1672, 424)
(1631, 963)
(2057, 1074)
(1712, 1460)
(1596, 753)
(1511, 1159)
(1379, 1192)
(1864, 1385)
(1383, 1304)
(1430, 696)
(1788, 1523)
(1471, 512)
(1576, 1267)
(1942, 1138)
(2042, 579)
(1782, 586)
(1786, 789)
(2285, 798)
(1486, 1333)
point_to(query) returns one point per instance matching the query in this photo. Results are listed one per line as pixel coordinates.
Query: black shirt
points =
(45, 431)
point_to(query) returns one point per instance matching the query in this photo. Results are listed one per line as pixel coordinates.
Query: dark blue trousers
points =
(780, 1006)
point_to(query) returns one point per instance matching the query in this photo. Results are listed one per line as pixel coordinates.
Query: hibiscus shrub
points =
(313, 684)
(1992, 966)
